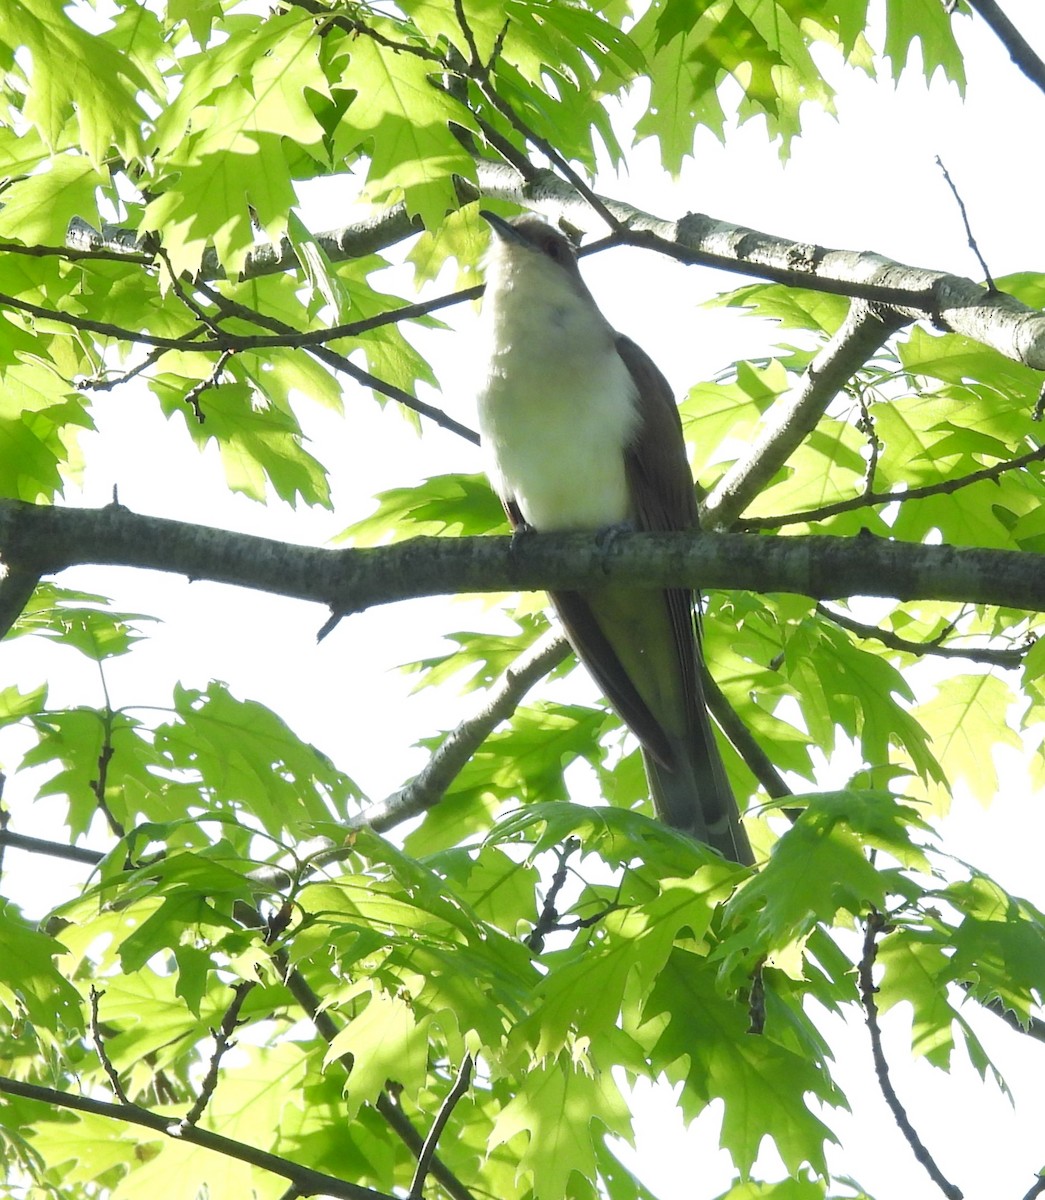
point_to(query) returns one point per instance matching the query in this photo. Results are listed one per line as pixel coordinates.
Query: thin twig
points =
(5, 820)
(945, 488)
(341, 363)
(192, 396)
(1034, 1028)
(103, 1054)
(874, 447)
(354, 27)
(104, 758)
(995, 658)
(973, 245)
(93, 384)
(223, 1041)
(34, 845)
(424, 1159)
(194, 307)
(756, 1004)
(549, 918)
(875, 925)
(480, 72)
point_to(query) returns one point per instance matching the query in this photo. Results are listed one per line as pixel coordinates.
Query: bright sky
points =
(865, 181)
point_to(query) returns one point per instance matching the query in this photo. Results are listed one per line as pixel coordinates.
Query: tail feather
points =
(693, 795)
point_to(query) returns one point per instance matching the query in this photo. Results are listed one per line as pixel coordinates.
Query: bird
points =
(580, 432)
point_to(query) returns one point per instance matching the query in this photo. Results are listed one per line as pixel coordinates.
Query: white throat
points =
(558, 405)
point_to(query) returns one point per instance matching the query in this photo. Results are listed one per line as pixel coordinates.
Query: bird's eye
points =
(553, 249)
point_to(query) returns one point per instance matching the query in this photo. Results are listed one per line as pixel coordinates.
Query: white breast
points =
(559, 405)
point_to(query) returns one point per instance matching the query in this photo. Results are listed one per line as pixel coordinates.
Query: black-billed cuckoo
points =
(581, 432)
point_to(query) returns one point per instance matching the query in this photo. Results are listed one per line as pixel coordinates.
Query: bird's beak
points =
(504, 229)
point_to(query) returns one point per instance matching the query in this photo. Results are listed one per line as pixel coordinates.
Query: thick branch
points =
(952, 302)
(307, 1181)
(363, 237)
(16, 588)
(49, 539)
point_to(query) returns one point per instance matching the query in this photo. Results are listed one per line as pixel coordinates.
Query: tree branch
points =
(861, 334)
(1020, 50)
(34, 845)
(1035, 1027)
(366, 236)
(897, 496)
(745, 744)
(397, 1120)
(427, 788)
(951, 302)
(99, 1044)
(49, 539)
(341, 362)
(16, 589)
(223, 1041)
(876, 924)
(307, 1181)
(424, 1159)
(995, 658)
(1036, 1188)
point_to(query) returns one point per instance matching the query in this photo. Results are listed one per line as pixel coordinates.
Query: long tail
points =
(643, 649)
(694, 795)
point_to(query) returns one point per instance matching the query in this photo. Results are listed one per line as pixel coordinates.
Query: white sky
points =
(865, 181)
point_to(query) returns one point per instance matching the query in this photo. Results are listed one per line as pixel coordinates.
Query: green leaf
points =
(558, 1104)
(261, 443)
(914, 972)
(818, 869)
(37, 209)
(385, 1041)
(31, 986)
(963, 723)
(406, 120)
(82, 620)
(999, 946)
(318, 269)
(933, 27)
(16, 704)
(248, 758)
(75, 76)
(451, 505)
(702, 1038)
(584, 991)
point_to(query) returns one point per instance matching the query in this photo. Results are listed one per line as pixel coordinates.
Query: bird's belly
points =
(555, 441)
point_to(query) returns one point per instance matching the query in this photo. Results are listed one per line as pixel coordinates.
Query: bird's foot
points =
(520, 532)
(608, 534)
